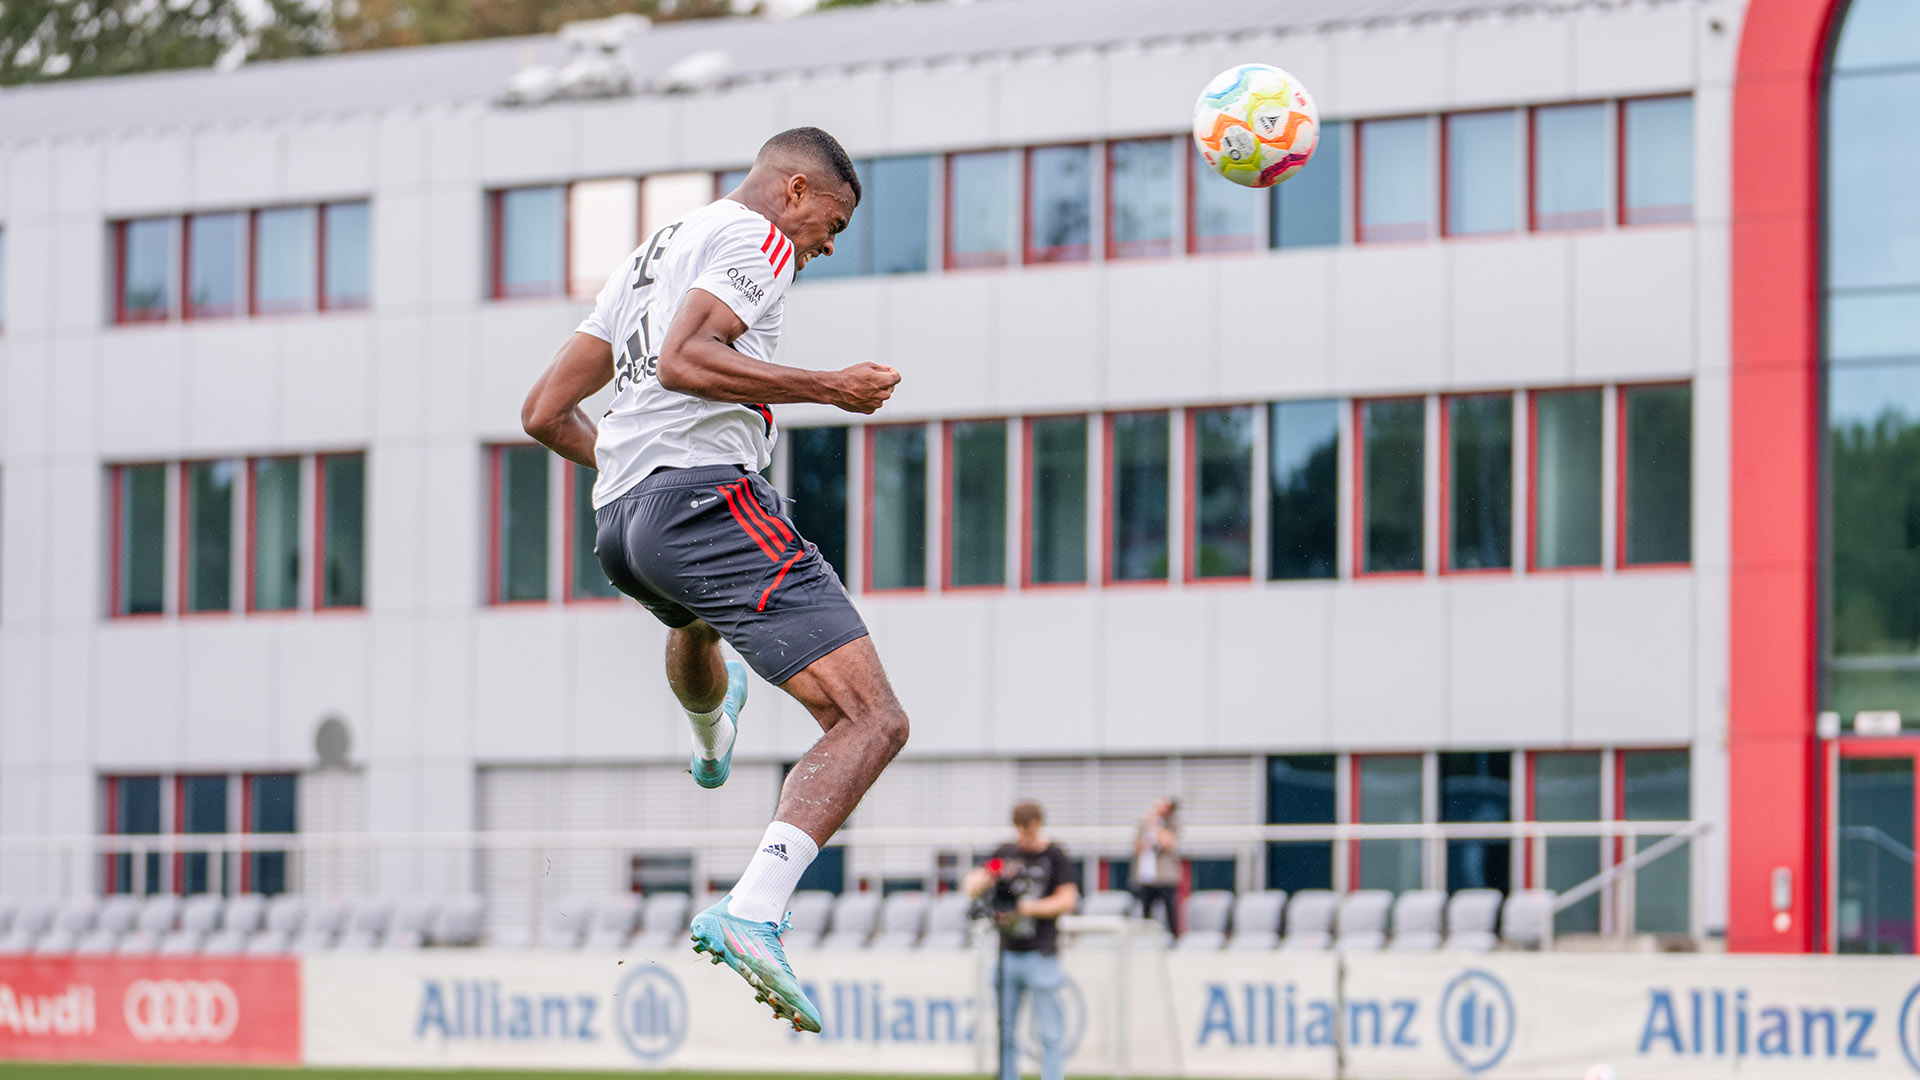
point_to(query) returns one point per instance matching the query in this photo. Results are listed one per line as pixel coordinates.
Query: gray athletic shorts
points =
(714, 543)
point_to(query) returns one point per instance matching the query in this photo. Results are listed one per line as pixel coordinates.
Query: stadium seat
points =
(16, 942)
(269, 942)
(566, 924)
(58, 941)
(119, 913)
(855, 915)
(457, 922)
(1525, 918)
(1417, 916)
(1360, 925)
(182, 943)
(948, 919)
(1205, 918)
(809, 910)
(1310, 921)
(98, 942)
(368, 920)
(7, 908)
(510, 937)
(614, 920)
(201, 914)
(224, 943)
(325, 919)
(1256, 920)
(77, 916)
(663, 919)
(1471, 915)
(158, 915)
(1107, 902)
(287, 914)
(902, 917)
(136, 943)
(244, 914)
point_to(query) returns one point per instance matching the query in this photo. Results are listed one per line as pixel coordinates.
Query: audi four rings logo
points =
(181, 1011)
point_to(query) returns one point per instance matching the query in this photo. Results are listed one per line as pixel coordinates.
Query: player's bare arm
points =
(698, 358)
(552, 413)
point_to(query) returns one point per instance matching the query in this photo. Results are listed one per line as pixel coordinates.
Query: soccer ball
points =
(1255, 125)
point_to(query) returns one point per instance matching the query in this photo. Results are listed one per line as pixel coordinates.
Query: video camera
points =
(1001, 902)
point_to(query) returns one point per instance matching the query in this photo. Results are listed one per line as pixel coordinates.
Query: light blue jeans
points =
(1037, 975)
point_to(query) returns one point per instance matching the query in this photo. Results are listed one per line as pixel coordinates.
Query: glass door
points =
(1872, 845)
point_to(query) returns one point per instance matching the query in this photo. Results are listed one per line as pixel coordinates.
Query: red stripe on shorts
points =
(777, 578)
(767, 522)
(747, 527)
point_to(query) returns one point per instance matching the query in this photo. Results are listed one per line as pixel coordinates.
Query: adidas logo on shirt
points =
(778, 850)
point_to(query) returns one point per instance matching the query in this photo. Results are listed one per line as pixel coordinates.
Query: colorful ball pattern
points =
(1255, 125)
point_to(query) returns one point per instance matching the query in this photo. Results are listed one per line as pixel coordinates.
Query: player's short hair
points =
(1027, 814)
(818, 147)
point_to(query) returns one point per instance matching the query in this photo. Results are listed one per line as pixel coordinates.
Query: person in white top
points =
(685, 331)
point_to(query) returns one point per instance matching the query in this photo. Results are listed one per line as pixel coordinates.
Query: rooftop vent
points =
(596, 64)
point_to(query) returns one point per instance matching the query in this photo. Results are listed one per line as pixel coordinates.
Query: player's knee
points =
(894, 728)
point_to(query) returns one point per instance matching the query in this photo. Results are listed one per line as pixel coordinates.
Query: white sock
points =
(712, 732)
(762, 892)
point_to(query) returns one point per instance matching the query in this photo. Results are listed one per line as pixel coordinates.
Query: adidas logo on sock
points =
(778, 850)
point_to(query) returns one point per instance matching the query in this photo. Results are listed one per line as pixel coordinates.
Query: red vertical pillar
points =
(1774, 785)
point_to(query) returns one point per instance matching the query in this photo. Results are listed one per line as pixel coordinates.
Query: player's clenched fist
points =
(864, 387)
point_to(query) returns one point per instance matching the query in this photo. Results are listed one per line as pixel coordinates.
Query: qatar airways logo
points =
(70, 1012)
(747, 286)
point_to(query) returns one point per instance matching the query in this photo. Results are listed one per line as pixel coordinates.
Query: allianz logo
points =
(70, 1012)
(1731, 1022)
(867, 1012)
(483, 1010)
(1474, 1021)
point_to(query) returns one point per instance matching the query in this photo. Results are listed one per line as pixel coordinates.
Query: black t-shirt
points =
(1033, 875)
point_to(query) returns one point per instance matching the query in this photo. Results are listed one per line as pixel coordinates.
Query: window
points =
(1389, 790)
(585, 579)
(1476, 786)
(1569, 166)
(1396, 179)
(270, 807)
(274, 550)
(1137, 481)
(149, 262)
(1220, 213)
(726, 181)
(139, 531)
(200, 809)
(853, 248)
(216, 265)
(528, 241)
(1566, 787)
(1059, 203)
(347, 245)
(980, 208)
(207, 546)
(1056, 518)
(519, 524)
(133, 809)
(1478, 467)
(1393, 485)
(896, 205)
(286, 260)
(1307, 210)
(1483, 172)
(1303, 515)
(666, 197)
(1566, 479)
(1300, 791)
(1656, 515)
(1220, 520)
(1657, 175)
(1140, 197)
(341, 558)
(603, 228)
(817, 492)
(1655, 786)
(897, 507)
(976, 503)
(1873, 451)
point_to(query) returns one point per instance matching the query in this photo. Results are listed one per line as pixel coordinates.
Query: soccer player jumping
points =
(685, 330)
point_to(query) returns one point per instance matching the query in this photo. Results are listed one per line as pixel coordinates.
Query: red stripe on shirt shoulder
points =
(782, 264)
(772, 231)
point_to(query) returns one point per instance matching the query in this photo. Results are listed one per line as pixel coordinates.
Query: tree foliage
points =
(71, 39)
(381, 24)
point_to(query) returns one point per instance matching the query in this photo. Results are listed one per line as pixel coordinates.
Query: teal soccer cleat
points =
(753, 949)
(711, 774)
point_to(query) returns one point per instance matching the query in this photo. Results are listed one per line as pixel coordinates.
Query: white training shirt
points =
(740, 257)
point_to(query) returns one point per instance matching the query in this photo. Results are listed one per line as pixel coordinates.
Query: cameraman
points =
(1028, 884)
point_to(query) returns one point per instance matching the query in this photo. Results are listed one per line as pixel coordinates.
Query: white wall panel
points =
(396, 691)
(70, 678)
(529, 146)
(140, 722)
(228, 682)
(1154, 644)
(1052, 100)
(402, 152)
(445, 720)
(1633, 658)
(400, 539)
(24, 531)
(74, 372)
(853, 107)
(1633, 306)
(147, 175)
(623, 708)
(1050, 694)
(456, 266)
(1506, 59)
(403, 399)
(233, 385)
(31, 295)
(631, 137)
(455, 520)
(516, 342)
(454, 146)
(25, 696)
(29, 397)
(1509, 321)
(324, 668)
(402, 253)
(1150, 90)
(79, 254)
(1039, 358)
(834, 323)
(1161, 317)
(1270, 668)
(939, 654)
(1390, 304)
(522, 696)
(76, 543)
(328, 381)
(331, 158)
(964, 96)
(1390, 69)
(1389, 664)
(235, 167)
(144, 380)
(941, 373)
(1274, 326)
(1636, 50)
(1507, 648)
(451, 359)
(79, 183)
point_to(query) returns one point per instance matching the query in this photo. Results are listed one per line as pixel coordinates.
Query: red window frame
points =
(1445, 556)
(117, 522)
(185, 555)
(1620, 788)
(121, 315)
(1385, 234)
(946, 505)
(1446, 175)
(1621, 393)
(1062, 253)
(1355, 817)
(496, 245)
(868, 433)
(1533, 481)
(968, 260)
(1109, 535)
(1360, 491)
(253, 547)
(1212, 245)
(246, 827)
(255, 306)
(1568, 221)
(1648, 215)
(1134, 249)
(190, 311)
(351, 301)
(569, 521)
(495, 519)
(1027, 517)
(178, 886)
(320, 464)
(1190, 514)
(1530, 869)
